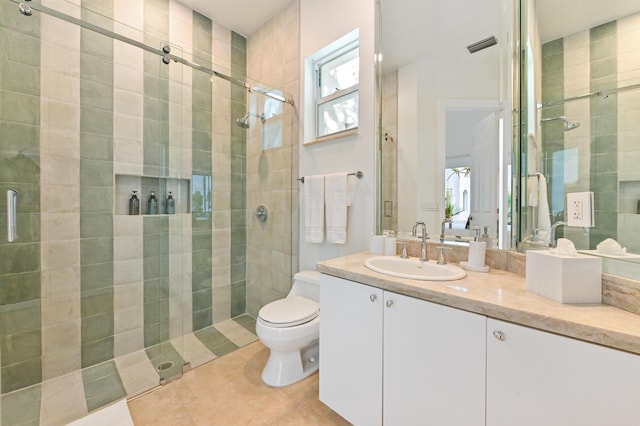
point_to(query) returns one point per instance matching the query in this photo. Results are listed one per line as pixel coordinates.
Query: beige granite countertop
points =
(502, 295)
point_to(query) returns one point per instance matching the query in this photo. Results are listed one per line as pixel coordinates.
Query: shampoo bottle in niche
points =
(134, 204)
(152, 204)
(171, 204)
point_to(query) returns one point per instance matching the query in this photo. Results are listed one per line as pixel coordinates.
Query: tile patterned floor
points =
(229, 391)
(66, 398)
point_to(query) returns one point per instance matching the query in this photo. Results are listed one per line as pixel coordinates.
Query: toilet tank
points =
(306, 284)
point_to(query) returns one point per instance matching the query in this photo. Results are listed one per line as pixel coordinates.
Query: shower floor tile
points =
(64, 399)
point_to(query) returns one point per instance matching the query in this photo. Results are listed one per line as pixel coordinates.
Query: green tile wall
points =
(21, 407)
(604, 133)
(156, 91)
(202, 169)
(156, 280)
(553, 131)
(238, 179)
(96, 188)
(156, 163)
(20, 325)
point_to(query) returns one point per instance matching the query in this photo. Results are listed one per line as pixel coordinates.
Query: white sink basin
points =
(414, 269)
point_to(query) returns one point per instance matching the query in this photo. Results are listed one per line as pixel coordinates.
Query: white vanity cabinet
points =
(539, 378)
(392, 359)
(351, 350)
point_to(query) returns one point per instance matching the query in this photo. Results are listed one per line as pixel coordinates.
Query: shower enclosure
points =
(580, 96)
(99, 99)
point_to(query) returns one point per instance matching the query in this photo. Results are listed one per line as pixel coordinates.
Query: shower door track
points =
(165, 52)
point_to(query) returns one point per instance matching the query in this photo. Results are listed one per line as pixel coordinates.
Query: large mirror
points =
(579, 119)
(446, 131)
(581, 123)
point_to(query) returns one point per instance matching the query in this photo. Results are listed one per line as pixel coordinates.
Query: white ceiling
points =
(242, 16)
(558, 18)
(441, 30)
(437, 29)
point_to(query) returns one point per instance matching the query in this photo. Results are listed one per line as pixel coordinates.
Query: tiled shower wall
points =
(272, 251)
(606, 149)
(86, 282)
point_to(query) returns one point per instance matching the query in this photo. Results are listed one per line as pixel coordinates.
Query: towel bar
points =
(357, 174)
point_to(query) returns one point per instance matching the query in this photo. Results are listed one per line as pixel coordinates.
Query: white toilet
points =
(290, 328)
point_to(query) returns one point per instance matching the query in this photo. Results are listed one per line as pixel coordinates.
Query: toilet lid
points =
(289, 311)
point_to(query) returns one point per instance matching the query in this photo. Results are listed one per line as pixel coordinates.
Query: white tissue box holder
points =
(565, 279)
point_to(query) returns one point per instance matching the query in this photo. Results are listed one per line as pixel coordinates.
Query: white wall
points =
(322, 22)
(423, 90)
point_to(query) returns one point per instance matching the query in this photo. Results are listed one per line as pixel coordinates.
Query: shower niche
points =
(144, 185)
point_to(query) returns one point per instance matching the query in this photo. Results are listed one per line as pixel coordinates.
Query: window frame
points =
(320, 100)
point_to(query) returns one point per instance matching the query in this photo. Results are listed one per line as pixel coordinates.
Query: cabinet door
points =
(351, 349)
(538, 378)
(434, 364)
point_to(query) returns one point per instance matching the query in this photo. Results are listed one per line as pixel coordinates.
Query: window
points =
(336, 90)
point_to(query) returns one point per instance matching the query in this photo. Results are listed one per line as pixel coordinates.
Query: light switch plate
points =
(430, 206)
(580, 209)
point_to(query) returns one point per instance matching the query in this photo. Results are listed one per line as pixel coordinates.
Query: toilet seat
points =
(289, 312)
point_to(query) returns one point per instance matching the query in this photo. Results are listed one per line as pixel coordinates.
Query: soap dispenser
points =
(171, 204)
(134, 204)
(485, 237)
(152, 204)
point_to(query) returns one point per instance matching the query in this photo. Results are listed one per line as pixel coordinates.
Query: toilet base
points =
(285, 368)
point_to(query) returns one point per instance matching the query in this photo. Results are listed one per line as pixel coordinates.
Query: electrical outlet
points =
(580, 209)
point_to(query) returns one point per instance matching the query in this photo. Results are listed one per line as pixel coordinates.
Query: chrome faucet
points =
(553, 242)
(423, 251)
(444, 221)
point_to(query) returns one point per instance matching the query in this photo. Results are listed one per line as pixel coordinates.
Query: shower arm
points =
(165, 52)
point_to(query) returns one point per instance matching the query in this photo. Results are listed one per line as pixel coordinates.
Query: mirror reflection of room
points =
(583, 88)
(446, 106)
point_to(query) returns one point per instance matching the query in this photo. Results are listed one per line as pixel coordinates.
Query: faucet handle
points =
(441, 257)
(404, 254)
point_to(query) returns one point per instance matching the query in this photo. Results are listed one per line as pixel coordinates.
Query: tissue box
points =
(565, 279)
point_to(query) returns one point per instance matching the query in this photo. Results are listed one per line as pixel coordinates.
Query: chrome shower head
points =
(243, 121)
(570, 125)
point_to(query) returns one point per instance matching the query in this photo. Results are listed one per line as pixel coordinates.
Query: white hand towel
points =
(314, 209)
(533, 191)
(336, 194)
(544, 217)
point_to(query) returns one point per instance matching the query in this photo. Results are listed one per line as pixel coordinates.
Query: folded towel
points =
(544, 217)
(336, 194)
(314, 209)
(532, 191)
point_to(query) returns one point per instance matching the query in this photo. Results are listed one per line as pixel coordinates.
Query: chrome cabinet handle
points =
(373, 297)
(389, 303)
(12, 231)
(499, 335)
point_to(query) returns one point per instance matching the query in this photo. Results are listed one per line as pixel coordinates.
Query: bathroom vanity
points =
(476, 351)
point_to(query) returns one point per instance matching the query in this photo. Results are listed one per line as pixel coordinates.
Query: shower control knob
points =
(261, 213)
(373, 297)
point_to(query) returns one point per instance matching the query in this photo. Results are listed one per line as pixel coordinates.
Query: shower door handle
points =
(12, 201)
